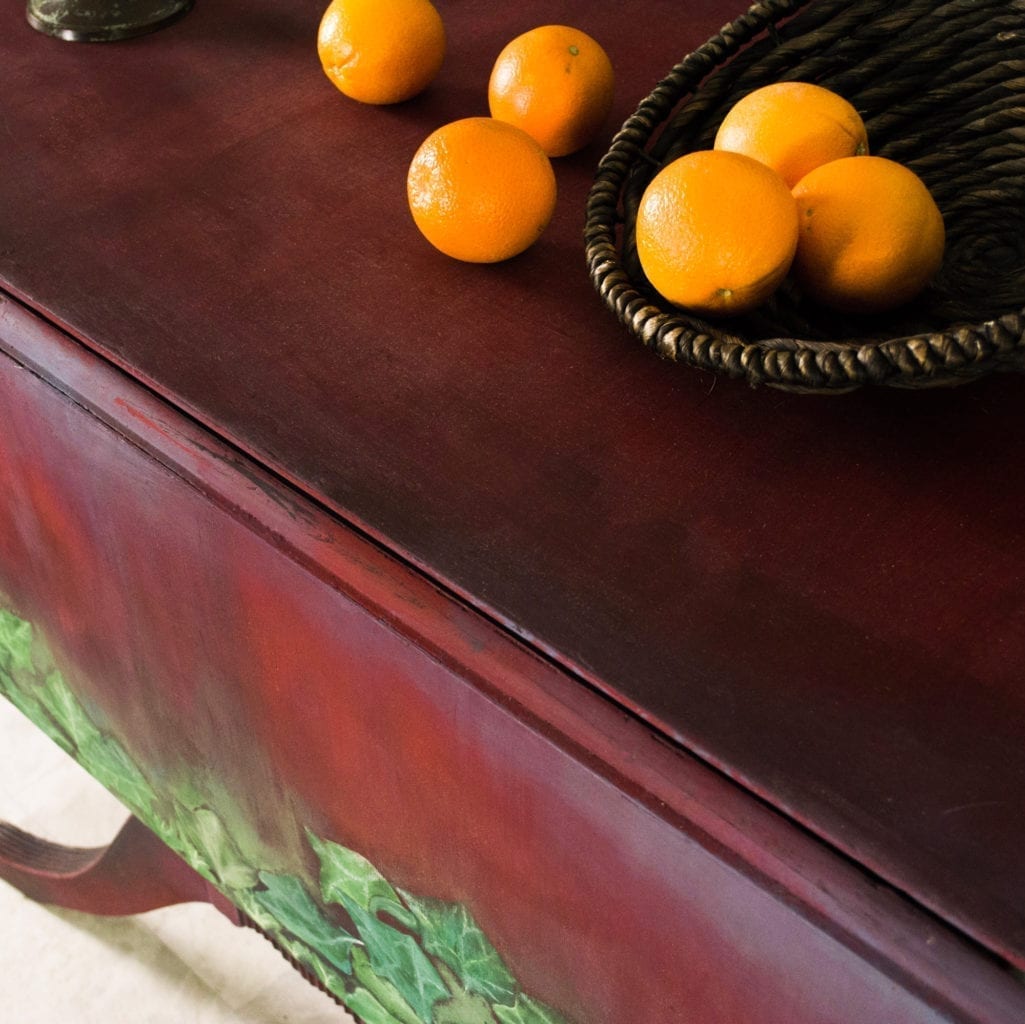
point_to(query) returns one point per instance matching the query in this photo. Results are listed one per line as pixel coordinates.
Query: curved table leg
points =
(135, 873)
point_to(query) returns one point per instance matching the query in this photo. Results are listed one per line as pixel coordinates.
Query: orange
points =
(556, 83)
(793, 127)
(481, 190)
(716, 232)
(381, 51)
(871, 235)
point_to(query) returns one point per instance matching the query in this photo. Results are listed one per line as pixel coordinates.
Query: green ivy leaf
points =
(364, 1006)
(66, 710)
(106, 760)
(449, 933)
(291, 905)
(528, 1011)
(207, 846)
(188, 794)
(464, 1007)
(345, 873)
(398, 958)
(350, 879)
(15, 643)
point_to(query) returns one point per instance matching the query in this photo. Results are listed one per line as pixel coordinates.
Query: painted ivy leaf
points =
(366, 1008)
(210, 850)
(106, 760)
(383, 990)
(345, 873)
(327, 974)
(449, 933)
(15, 643)
(42, 659)
(289, 901)
(464, 1007)
(348, 878)
(528, 1011)
(189, 795)
(397, 957)
(66, 710)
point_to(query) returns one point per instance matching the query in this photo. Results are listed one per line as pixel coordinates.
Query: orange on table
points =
(556, 83)
(481, 190)
(381, 51)
(793, 127)
(871, 236)
(716, 232)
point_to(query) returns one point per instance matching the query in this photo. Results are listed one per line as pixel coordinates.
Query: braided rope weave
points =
(941, 88)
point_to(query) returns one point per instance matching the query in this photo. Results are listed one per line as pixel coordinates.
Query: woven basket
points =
(941, 88)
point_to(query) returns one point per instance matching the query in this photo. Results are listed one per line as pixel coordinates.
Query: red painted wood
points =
(211, 612)
(823, 599)
(135, 873)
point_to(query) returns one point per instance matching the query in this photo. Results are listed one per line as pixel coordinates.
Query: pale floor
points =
(179, 965)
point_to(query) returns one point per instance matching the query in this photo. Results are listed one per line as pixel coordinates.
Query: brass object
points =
(103, 20)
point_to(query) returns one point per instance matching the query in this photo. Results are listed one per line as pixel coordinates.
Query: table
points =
(427, 622)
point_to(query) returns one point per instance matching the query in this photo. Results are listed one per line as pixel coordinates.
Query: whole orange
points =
(871, 236)
(793, 127)
(556, 83)
(481, 190)
(381, 51)
(716, 232)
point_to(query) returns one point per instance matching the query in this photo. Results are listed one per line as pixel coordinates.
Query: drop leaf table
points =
(495, 669)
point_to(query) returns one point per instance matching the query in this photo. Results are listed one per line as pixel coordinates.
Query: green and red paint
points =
(390, 956)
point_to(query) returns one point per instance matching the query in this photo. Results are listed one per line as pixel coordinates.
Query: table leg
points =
(135, 873)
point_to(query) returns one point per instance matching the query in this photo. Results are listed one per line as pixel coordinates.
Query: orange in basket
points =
(793, 127)
(716, 232)
(871, 236)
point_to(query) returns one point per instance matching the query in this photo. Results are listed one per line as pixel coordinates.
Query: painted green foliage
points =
(390, 956)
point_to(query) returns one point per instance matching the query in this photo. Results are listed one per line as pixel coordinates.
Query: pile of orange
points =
(787, 185)
(862, 233)
(480, 189)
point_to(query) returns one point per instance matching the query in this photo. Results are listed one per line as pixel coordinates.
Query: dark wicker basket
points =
(941, 88)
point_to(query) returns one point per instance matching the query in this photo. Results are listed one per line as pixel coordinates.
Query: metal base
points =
(95, 21)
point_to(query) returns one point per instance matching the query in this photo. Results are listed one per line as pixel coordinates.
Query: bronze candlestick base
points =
(103, 20)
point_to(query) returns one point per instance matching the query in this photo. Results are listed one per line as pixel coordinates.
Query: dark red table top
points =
(822, 597)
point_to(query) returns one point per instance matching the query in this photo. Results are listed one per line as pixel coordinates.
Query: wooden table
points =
(495, 668)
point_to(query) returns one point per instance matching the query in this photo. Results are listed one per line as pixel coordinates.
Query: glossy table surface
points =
(824, 598)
